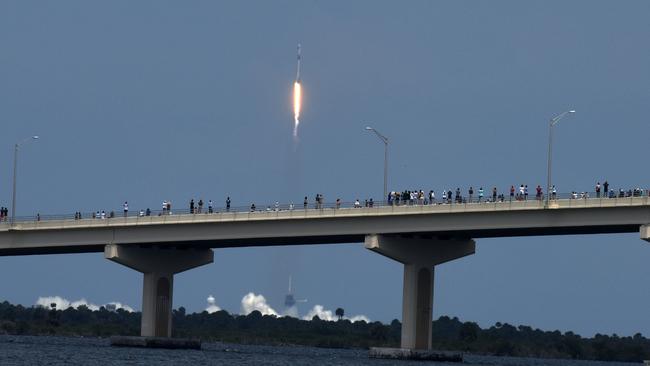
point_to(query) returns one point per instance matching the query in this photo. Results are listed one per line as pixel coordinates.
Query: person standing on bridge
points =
(606, 188)
(192, 205)
(200, 205)
(494, 194)
(228, 203)
(471, 194)
(553, 192)
(210, 206)
(304, 203)
(512, 192)
(480, 194)
(598, 190)
(126, 209)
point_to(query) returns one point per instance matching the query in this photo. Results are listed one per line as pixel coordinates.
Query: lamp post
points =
(384, 139)
(552, 123)
(13, 199)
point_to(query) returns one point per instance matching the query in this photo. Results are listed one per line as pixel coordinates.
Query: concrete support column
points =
(158, 266)
(417, 306)
(419, 256)
(645, 232)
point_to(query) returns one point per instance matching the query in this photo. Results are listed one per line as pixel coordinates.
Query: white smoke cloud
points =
(62, 303)
(319, 310)
(358, 318)
(212, 305)
(328, 315)
(252, 302)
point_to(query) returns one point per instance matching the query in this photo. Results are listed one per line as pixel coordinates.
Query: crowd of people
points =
(394, 198)
(521, 193)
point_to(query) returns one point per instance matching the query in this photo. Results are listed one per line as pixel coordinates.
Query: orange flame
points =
(297, 101)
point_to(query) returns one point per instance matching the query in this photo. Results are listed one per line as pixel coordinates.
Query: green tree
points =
(340, 312)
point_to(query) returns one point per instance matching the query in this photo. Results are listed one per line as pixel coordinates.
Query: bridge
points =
(420, 236)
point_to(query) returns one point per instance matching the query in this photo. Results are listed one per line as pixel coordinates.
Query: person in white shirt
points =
(126, 209)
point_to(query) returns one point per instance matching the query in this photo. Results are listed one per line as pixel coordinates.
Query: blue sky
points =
(152, 100)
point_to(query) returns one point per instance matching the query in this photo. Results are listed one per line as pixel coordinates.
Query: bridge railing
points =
(501, 202)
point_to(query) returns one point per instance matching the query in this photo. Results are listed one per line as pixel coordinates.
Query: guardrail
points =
(517, 201)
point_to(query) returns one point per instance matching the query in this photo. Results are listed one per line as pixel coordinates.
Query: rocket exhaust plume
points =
(297, 98)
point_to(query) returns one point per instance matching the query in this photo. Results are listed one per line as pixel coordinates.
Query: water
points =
(27, 350)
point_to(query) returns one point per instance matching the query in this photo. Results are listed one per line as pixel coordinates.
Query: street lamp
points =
(13, 200)
(552, 123)
(384, 139)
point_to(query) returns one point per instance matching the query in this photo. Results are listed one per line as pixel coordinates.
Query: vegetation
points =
(448, 333)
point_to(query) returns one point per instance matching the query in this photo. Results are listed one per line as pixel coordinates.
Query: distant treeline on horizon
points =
(448, 333)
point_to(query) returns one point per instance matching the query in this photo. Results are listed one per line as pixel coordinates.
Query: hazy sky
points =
(151, 100)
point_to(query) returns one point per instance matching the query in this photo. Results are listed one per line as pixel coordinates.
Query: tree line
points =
(447, 333)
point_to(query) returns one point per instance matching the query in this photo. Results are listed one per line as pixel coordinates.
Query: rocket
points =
(298, 68)
(297, 98)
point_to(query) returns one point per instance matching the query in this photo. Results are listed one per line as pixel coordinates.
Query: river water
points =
(27, 350)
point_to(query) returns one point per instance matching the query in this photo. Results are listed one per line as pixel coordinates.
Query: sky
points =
(152, 100)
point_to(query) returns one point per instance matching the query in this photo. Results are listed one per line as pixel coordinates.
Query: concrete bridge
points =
(419, 236)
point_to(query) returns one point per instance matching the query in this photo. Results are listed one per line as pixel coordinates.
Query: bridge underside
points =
(321, 239)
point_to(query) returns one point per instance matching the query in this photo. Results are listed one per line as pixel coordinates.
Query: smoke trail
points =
(62, 303)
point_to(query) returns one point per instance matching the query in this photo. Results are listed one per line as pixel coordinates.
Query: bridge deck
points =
(329, 212)
(329, 225)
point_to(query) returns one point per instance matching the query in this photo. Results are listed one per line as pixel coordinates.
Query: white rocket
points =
(298, 69)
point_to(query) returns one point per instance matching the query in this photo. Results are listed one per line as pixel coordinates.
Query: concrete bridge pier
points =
(419, 256)
(644, 230)
(159, 265)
